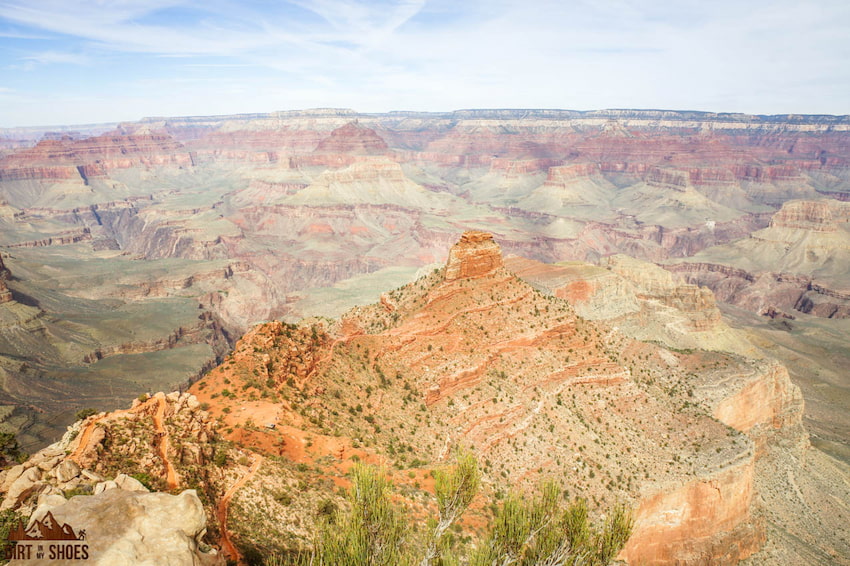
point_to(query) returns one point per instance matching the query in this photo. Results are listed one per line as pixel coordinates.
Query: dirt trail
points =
(171, 478)
(227, 545)
(84, 439)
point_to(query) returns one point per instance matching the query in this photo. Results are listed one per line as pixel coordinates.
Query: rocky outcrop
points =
(760, 401)
(176, 416)
(668, 179)
(515, 168)
(63, 239)
(127, 527)
(795, 264)
(353, 138)
(643, 300)
(475, 255)
(206, 331)
(815, 216)
(563, 174)
(707, 521)
(161, 438)
(97, 154)
(45, 173)
(5, 293)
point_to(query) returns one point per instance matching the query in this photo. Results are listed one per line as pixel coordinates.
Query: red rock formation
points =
(353, 138)
(66, 158)
(805, 215)
(564, 173)
(475, 255)
(670, 179)
(513, 168)
(63, 239)
(706, 521)
(764, 402)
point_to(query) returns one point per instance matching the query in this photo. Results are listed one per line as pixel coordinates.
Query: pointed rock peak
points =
(613, 128)
(353, 138)
(476, 254)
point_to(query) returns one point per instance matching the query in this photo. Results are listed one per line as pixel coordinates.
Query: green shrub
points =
(527, 531)
(85, 413)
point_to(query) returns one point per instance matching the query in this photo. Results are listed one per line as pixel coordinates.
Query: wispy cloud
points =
(57, 57)
(437, 54)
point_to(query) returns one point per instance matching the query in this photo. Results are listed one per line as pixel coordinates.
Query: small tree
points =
(83, 414)
(455, 489)
(537, 532)
(9, 447)
(372, 533)
(527, 531)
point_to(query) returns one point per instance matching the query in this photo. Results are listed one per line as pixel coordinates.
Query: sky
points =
(93, 61)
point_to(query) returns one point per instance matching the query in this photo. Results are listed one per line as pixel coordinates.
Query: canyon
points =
(133, 256)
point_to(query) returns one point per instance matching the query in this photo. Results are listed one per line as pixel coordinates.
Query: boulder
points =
(12, 474)
(127, 483)
(127, 527)
(67, 470)
(90, 475)
(105, 486)
(28, 481)
(49, 463)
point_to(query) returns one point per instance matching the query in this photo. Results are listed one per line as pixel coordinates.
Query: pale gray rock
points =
(11, 475)
(67, 470)
(53, 451)
(127, 483)
(49, 463)
(21, 488)
(51, 498)
(105, 486)
(90, 475)
(127, 527)
(72, 484)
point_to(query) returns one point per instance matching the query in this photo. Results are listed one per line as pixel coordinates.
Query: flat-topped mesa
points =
(474, 255)
(805, 215)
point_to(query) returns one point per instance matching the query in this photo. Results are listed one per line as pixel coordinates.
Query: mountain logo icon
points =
(46, 529)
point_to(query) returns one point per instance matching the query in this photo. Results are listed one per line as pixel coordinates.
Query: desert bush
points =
(85, 413)
(526, 531)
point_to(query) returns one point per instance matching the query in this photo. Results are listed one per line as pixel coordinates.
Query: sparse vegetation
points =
(85, 413)
(525, 531)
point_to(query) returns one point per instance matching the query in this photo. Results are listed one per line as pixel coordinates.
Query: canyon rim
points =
(646, 306)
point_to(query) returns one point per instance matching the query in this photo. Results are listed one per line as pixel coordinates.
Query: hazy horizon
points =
(71, 62)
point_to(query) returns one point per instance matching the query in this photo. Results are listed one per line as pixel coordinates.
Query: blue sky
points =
(74, 62)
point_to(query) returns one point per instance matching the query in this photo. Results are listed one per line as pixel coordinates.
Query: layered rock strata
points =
(475, 255)
(537, 393)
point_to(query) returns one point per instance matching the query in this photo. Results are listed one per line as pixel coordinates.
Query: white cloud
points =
(761, 56)
(57, 57)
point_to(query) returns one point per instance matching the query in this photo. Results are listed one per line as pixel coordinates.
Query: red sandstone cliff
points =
(67, 159)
